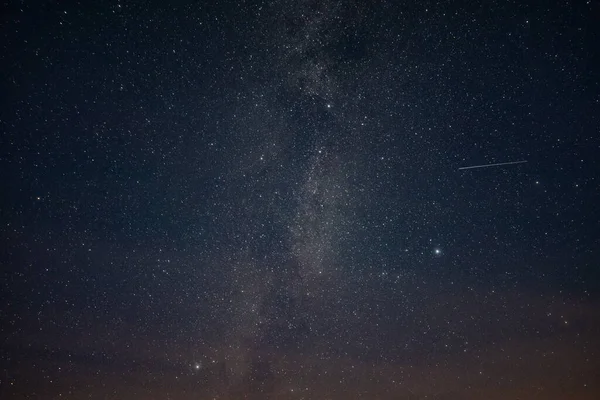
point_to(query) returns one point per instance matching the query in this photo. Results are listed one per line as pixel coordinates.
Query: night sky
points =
(264, 200)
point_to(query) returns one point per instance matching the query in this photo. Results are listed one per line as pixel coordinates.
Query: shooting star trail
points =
(493, 165)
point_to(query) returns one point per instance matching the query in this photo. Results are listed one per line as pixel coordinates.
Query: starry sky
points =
(264, 200)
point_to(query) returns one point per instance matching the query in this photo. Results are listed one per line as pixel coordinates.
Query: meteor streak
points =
(493, 165)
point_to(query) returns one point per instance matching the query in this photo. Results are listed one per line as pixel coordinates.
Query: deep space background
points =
(262, 200)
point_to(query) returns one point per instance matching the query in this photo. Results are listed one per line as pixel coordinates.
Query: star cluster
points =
(263, 200)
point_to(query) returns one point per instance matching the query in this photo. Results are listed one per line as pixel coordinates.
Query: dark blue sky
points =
(263, 200)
